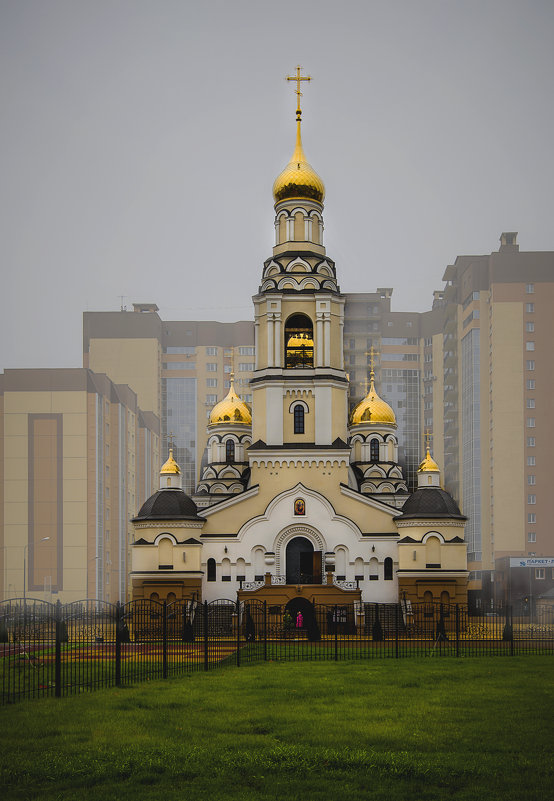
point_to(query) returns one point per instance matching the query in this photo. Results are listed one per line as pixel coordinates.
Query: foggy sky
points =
(140, 140)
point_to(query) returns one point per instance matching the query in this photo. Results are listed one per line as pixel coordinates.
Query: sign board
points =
(532, 561)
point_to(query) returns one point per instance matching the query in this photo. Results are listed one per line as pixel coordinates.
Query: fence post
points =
(58, 651)
(164, 640)
(118, 623)
(457, 630)
(511, 613)
(336, 616)
(205, 635)
(396, 630)
(238, 631)
(265, 631)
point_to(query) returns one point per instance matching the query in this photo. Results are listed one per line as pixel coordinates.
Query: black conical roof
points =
(168, 504)
(431, 502)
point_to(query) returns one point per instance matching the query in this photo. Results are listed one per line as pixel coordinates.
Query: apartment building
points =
(78, 457)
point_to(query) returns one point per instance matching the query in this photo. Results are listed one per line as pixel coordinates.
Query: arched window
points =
(229, 451)
(211, 570)
(388, 569)
(445, 597)
(299, 342)
(374, 450)
(298, 419)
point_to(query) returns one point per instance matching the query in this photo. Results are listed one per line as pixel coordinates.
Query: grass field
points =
(387, 730)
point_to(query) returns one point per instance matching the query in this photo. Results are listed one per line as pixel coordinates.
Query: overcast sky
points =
(140, 140)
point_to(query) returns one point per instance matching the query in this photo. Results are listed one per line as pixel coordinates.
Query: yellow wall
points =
(135, 362)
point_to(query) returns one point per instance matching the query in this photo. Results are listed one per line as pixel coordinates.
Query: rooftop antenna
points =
(122, 306)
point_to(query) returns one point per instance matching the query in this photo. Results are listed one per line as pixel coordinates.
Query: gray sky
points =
(140, 140)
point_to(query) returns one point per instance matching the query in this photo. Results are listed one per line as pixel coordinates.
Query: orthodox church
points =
(298, 498)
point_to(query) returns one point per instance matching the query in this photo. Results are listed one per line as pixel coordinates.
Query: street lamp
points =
(25, 567)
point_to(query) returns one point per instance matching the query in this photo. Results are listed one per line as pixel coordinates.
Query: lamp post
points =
(25, 567)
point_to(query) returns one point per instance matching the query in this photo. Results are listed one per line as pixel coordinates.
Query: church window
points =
(374, 450)
(299, 342)
(229, 451)
(298, 419)
(211, 570)
(388, 569)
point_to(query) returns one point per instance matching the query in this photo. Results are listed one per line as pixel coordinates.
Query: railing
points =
(54, 650)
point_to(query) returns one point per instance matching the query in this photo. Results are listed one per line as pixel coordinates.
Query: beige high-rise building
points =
(491, 379)
(78, 458)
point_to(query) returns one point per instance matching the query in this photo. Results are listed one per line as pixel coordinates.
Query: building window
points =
(211, 399)
(211, 570)
(388, 569)
(531, 499)
(211, 382)
(246, 367)
(539, 573)
(530, 327)
(530, 422)
(530, 365)
(298, 419)
(530, 345)
(531, 461)
(529, 308)
(229, 451)
(532, 536)
(211, 351)
(530, 289)
(530, 383)
(531, 442)
(531, 517)
(531, 480)
(246, 350)
(227, 368)
(374, 450)
(211, 367)
(530, 403)
(299, 342)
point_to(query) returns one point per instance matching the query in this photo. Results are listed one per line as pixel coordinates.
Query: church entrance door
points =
(303, 564)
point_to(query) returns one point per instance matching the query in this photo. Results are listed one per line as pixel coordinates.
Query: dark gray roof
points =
(168, 504)
(433, 503)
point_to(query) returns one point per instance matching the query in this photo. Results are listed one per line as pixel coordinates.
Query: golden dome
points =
(428, 465)
(300, 341)
(231, 410)
(170, 467)
(372, 409)
(298, 179)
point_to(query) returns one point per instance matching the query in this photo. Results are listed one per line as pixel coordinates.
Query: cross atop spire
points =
(298, 78)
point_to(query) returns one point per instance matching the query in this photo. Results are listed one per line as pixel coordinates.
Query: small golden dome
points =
(170, 467)
(298, 179)
(428, 465)
(372, 409)
(231, 410)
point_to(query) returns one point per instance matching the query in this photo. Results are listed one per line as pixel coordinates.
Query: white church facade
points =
(298, 497)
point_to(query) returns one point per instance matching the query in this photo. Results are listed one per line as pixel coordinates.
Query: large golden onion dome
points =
(372, 409)
(428, 465)
(231, 410)
(298, 179)
(170, 467)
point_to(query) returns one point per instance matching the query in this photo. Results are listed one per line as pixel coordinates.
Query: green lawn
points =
(394, 730)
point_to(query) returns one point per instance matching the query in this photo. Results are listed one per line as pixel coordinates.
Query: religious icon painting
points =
(299, 506)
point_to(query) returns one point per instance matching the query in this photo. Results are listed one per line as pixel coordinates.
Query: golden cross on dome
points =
(170, 438)
(428, 436)
(298, 78)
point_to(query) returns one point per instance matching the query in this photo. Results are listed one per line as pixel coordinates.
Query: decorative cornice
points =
(169, 523)
(430, 522)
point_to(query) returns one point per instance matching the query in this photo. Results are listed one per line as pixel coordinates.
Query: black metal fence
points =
(54, 650)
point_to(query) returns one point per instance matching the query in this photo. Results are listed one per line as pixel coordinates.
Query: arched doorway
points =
(303, 564)
(308, 617)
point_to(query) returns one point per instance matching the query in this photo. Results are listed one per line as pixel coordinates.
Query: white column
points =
(308, 229)
(256, 343)
(327, 334)
(321, 232)
(277, 337)
(319, 340)
(277, 226)
(290, 229)
(270, 340)
(341, 329)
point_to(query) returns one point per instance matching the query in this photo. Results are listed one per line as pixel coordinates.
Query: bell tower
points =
(299, 387)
